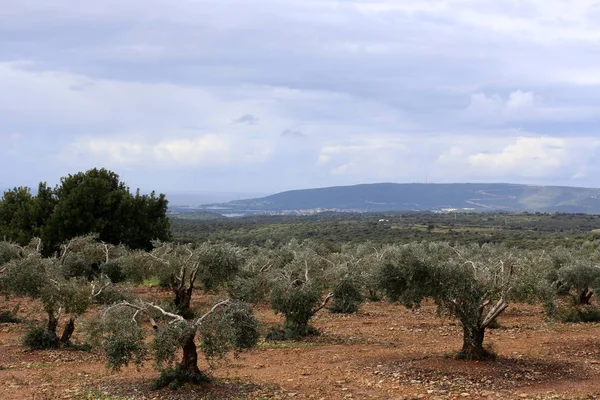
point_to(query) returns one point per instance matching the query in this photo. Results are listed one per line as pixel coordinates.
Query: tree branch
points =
(158, 259)
(265, 267)
(105, 252)
(190, 256)
(193, 275)
(65, 251)
(96, 294)
(306, 271)
(144, 309)
(198, 321)
(323, 304)
(498, 308)
(175, 317)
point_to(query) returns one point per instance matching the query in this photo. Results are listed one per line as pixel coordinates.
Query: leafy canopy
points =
(95, 201)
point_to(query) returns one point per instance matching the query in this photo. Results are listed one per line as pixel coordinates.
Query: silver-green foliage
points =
(227, 326)
(473, 284)
(299, 284)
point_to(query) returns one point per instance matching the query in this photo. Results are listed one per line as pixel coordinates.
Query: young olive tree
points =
(254, 281)
(470, 283)
(183, 268)
(576, 272)
(582, 278)
(298, 288)
(49, 280)
(346, 278)
(9, 251)
(228, 325)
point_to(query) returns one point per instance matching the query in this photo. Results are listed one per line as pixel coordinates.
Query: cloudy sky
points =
(268, 95)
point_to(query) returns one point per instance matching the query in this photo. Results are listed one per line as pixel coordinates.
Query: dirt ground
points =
(382, 352)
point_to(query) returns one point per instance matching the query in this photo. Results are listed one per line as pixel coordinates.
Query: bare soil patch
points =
(382, 352)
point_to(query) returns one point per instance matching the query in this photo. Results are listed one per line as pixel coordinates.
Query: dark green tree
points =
(96, 201)
(16, 215)
(23, 215)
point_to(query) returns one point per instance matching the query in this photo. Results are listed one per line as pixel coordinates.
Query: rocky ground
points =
(383, 352)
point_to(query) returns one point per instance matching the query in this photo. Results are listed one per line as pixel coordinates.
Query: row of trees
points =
(537, 231)
(95, 201)
(78, 277)
(473, 284)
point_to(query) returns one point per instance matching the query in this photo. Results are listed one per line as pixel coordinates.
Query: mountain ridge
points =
(388, 196)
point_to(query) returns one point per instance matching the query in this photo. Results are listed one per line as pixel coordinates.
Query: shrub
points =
(347, 297)
(8, 317)
(297, 305)
(579, 314)
(111, 295)
(174, 378)
(38, 338)
(250, 288)
(113, 270)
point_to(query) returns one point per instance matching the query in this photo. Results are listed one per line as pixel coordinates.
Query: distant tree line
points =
(95, 201)
(523, 230)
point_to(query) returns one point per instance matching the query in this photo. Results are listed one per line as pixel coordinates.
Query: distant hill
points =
(421, 197)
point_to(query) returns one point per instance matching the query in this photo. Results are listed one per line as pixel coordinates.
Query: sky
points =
(261, 96)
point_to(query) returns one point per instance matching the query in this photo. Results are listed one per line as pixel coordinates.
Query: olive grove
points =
(202, 303)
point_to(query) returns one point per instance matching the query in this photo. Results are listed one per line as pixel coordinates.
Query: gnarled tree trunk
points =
(189, 361)
(473, 344)
(68, 331)
(183, 297)
(52, 322)
(585, 296)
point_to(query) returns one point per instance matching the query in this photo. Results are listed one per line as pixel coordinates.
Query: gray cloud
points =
(382, 90)
(292, 133)
(246, 119)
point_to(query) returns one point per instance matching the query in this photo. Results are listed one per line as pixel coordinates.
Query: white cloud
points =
(531, 157)
(115, 150)
(377, 158)
(521, 106)
(521, 157)
(198, 151)
(494, 109)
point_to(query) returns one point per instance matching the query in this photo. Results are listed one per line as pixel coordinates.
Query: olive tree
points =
(346, 279)
(254, 281)
(9, 251)
(582, 278)
(298, 288)
(183, 268)
(473, 284)
(50, 280)
(575, 272)
(227, 325)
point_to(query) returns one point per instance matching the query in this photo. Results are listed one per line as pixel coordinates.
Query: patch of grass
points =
(291, 332)
(151, 282)
(579, 314)
(8, 317)
(39, 365)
